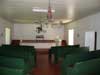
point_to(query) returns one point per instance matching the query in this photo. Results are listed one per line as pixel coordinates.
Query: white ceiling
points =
(20, 11)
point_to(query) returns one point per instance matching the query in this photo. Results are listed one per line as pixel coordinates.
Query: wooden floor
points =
(44, 67)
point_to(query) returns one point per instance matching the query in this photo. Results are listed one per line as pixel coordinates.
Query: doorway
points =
(91, 40)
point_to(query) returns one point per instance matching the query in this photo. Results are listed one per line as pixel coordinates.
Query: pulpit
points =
(39, 37)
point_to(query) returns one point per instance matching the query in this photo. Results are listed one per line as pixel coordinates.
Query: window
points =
(71, 37)
(7, 35)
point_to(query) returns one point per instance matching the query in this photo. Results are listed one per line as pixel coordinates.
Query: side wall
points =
(90, 23)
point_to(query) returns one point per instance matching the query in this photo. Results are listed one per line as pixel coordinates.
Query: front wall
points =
(28, 32)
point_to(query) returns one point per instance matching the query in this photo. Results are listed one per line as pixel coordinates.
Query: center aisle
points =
(44, 67)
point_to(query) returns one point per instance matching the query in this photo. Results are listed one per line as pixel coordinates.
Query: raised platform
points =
(38, 41)
(39, 44)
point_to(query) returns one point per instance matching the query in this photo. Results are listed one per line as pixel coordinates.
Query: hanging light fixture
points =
(49, 14)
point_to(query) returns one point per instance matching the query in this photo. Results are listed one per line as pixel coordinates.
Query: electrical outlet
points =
(1, 34)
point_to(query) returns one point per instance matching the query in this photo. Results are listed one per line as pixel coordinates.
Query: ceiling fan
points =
(48, 20)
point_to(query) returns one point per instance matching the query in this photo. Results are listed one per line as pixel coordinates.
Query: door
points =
(90, 40)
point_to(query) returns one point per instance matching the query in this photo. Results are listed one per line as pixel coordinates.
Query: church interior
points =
(49, 37)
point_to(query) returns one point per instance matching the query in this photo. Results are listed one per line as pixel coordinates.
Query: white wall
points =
(28, 32)
(90, 23)
(3, 25)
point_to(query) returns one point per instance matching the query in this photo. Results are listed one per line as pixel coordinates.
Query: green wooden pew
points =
(71, 59)
(20, 58)
(27, 52)
(52, 50)
(14, 62)
(11, 71)
(61, 52)
(90, 67)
